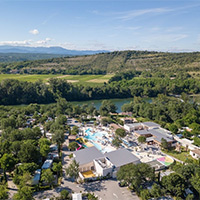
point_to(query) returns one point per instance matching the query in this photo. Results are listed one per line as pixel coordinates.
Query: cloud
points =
(16, 43)
(166, 38)
(43, 42)
(30, 43)
(34, 31)
(128, 15)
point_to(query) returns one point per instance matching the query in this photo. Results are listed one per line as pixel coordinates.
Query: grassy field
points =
(183, 156)
(75, 79)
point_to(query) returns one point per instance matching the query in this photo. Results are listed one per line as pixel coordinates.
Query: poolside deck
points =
(88, 174)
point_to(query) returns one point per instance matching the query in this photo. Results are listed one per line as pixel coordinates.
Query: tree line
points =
(14, 92)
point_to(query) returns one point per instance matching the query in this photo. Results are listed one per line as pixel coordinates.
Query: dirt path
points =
(11, 187)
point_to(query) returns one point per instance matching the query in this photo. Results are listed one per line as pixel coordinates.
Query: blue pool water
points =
(94, 137)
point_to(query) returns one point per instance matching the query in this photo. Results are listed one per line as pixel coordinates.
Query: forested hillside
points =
(17, 57)
(110, 63)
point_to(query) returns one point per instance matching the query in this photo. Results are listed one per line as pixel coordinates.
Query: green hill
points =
(111, 62)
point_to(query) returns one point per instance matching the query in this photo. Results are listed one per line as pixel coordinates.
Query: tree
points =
(44, 145)
(58, 137)
(120, 132)
(3, 192)
(28, 152)
(91, 196)
(8, 122)
(164, 143)
(75, 130)
(141, 139)
(135, 175)
(174, 183)
(116, 141)
(73, 146)
(190, 197)
(145, 194)
(195, 181)
(173, 128)
(23, 193)
(57, 167)
(26, 179)
(106, 107)
(64, 195)
(73, 170)
(156, 191)
(7, 162)
(47, 177)
(26, 167)
(187, 171)
(197, 141)
(15, 147)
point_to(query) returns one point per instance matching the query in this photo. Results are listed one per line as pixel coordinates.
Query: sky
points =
(160, 25)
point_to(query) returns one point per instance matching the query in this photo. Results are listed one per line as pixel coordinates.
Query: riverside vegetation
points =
(137, 75)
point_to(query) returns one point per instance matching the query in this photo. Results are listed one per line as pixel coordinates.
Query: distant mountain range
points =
(46, 50)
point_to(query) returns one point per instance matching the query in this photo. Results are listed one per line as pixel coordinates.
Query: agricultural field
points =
(75, 79)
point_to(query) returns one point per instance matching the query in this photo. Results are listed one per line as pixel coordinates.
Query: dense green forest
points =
(111, 62)
(14, 92)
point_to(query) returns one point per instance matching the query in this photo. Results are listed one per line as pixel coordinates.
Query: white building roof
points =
(121, 157)
(87, 155)
(47, 164)
(77, 196)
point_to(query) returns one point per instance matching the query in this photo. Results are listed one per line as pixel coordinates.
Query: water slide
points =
(79, 147)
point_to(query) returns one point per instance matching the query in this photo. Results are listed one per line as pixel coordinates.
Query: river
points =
(117, 102)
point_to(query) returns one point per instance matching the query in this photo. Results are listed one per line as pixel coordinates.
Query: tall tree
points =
(174, 183)
(58, 137)
(7, 162)
(57, 167)
(106, 107)
(3, 192)
(73, 170)
(24, 193)
(47, 177)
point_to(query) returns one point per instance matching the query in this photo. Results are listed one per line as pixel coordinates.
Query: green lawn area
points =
(183, 156)
(75, 79)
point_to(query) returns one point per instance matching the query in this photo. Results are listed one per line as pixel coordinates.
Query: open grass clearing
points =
(75, 79)
(183, 156)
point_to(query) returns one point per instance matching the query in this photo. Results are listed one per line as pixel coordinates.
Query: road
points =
(105, 189)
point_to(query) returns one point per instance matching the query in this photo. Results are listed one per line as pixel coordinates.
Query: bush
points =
(120, 132)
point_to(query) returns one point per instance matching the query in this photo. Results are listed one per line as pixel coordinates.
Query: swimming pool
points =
(94, 137)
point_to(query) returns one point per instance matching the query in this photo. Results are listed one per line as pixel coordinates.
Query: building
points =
(140, 126)
(188, 144)
(195, 153)
(134, 126)
(85, 158)
(36, 177)
(126, 113)
(121, 157)
(150, 125)
(93, 163)
(77, 196)
(115, 126)
(155, 136)
(127, 120)
(47, 164)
